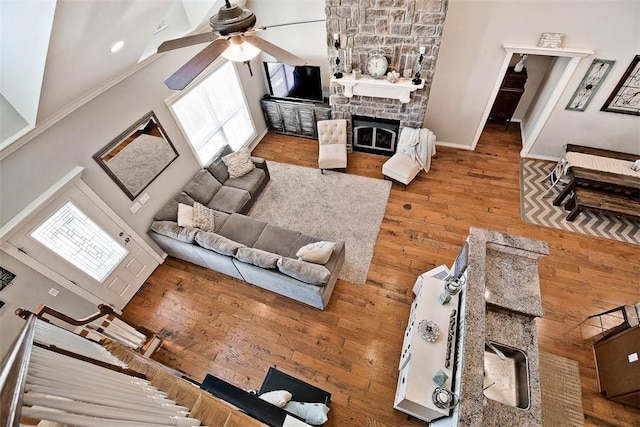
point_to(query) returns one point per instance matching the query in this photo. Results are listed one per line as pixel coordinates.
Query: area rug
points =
(561, 393)
(537, 208)
(330, 206)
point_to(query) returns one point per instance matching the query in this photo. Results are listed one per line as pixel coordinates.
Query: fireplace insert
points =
(375, 135)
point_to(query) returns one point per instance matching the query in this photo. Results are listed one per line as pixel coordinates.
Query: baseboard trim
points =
(541, 157)
(454, 145)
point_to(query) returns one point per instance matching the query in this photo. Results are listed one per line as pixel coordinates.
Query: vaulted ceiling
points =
(54, 52)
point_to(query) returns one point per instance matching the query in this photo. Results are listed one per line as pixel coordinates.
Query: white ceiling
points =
(76, 57)
(74, 43)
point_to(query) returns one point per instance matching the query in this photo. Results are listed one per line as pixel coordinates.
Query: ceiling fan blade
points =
(289, 23)
(189, 71)
(186, 41)
(280, 54)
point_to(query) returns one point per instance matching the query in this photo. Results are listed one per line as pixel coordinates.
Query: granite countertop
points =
(498, 264)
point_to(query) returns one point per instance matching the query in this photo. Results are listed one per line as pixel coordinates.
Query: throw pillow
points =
(173, 230)
(238, 163)
(276, 397)
(307, 272)
(318, 252)
(204, 218)
(185, 215)
(313, 413)
(258, 257)
(217, 243)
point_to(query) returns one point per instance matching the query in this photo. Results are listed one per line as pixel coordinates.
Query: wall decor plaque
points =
(625, 98)
(6, 277)
(590, 83)
(551, 40)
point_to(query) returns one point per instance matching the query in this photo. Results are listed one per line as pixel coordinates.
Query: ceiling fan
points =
(232, 36)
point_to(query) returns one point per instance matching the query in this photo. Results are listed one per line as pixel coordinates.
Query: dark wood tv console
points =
(293, 117)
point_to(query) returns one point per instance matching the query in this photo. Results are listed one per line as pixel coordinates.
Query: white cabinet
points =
(420, 360)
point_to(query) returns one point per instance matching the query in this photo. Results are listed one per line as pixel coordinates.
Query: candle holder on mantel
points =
(417, 80)
(337, 72)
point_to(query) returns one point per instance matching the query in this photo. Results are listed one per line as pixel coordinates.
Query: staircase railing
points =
(52, 374)
(55, 375)
(105, 325)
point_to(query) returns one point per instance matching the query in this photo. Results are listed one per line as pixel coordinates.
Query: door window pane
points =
(76, 238)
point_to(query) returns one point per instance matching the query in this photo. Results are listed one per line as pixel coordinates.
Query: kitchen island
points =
(498, 304)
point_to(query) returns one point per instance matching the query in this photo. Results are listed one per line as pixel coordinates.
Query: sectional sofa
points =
(248, 249)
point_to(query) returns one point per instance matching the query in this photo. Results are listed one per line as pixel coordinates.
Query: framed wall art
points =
(625, 98)
(590, 83)
(551, 40)
(6, 277)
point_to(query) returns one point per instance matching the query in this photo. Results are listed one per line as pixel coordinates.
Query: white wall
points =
(29, 290)
(308, 41)
(29, 171)
(471, 55)
(537, 67)
(23, 52)
(542, 96)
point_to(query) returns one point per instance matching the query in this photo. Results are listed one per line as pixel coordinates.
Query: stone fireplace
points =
(400, 28)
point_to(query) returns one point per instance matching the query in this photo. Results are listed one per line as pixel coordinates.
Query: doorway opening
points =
(562, 64)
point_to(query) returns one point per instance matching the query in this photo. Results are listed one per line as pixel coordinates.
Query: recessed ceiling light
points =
(117, 46)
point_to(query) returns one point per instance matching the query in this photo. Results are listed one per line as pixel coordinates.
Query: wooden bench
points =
(603, 201)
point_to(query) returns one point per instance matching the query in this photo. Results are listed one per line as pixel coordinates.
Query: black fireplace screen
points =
(373, 135)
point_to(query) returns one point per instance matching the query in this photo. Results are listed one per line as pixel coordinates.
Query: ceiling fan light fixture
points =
(240, 51)
(117, 46)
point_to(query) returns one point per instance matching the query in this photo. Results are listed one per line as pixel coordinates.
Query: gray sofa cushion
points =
(277, 240)
(202, 187)
(218, 169)
(313, 274)
(258, 257)
(173, 230)
(169, 212)
(221, 218)
(217, 243)
(229, 199)
(242, 229)
(250, 181)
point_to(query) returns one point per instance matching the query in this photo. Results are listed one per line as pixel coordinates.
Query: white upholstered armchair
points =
(415, 149)
(332, 137)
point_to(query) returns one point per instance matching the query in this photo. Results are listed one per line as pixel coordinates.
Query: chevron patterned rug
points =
(537, 208)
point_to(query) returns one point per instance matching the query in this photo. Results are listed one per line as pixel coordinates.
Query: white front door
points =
(75, 237)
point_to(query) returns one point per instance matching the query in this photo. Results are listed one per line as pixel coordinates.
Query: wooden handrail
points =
(13, 375)
(43, 310)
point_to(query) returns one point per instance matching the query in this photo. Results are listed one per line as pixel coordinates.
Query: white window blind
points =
(76, 238)
(214, 113)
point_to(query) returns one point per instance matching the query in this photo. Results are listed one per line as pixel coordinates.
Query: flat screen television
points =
(298, 83)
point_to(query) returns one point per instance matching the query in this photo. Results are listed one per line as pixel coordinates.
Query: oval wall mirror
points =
(138, 155)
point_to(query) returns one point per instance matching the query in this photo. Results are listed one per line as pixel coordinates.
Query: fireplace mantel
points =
(378, 88)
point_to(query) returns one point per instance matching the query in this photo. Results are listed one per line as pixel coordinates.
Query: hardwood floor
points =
(213, 323)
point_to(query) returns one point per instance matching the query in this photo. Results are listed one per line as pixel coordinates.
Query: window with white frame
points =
(213, 112)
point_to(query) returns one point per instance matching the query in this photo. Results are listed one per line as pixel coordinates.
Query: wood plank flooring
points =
(213, 323)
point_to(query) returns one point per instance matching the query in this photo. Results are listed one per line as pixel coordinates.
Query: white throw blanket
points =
(419, 144)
